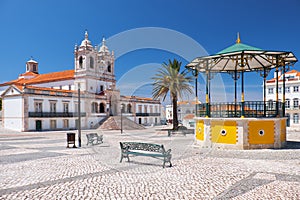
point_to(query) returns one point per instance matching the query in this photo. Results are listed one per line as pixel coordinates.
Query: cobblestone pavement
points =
(39, 166)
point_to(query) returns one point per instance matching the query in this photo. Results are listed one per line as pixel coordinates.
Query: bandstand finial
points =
(238, 40)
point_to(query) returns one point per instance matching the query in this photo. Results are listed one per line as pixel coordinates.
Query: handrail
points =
(254, 109)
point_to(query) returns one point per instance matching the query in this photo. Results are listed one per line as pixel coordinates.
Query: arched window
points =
(129, 108)
(91, 62)
(102, 107)
(80, 61)
(109, 67)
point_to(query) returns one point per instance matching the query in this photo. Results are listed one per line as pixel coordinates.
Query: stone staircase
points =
(114, 123)
(96, 126)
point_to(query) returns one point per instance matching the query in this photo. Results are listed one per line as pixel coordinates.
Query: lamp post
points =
(79, 120)
(122, 106)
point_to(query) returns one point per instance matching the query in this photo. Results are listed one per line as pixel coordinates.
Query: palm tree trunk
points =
(175, 117)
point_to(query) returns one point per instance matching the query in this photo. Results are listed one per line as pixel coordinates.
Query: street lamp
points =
(79, 120)
(122, 107)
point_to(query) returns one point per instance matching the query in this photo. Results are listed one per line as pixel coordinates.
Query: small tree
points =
(169, 79)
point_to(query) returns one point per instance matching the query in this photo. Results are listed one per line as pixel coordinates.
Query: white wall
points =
(65, 84)
(46, 123)
(13, 112)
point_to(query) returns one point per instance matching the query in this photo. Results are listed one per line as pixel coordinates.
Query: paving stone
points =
(40, 167)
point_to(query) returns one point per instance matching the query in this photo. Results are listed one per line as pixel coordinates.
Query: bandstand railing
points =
(252, 109)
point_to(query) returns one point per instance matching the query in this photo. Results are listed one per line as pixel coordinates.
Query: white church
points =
(35, 102)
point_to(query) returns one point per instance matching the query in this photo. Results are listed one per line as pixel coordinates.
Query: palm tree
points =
(169, 79)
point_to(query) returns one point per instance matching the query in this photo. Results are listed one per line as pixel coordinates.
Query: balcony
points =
(147, 114)
(55, 114)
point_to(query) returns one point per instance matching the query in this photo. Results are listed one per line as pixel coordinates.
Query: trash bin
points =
(71, 139)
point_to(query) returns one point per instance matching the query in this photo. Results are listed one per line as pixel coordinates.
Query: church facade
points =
(35, 102)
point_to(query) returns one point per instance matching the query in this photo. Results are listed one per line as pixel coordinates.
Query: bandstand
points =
(242, 124)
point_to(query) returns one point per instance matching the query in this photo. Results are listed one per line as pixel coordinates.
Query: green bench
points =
(94, 138)
(145, 149)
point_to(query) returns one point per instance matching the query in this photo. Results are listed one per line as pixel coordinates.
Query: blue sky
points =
(48, 31)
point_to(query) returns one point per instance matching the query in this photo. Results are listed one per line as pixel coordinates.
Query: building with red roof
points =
(35, 102)
(292, 96)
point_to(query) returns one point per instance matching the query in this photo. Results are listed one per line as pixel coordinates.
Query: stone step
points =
(114, 123)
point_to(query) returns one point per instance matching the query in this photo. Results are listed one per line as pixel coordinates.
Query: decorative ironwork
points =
(147, 114)
(54, 114)
(143, 146)
(253, 109)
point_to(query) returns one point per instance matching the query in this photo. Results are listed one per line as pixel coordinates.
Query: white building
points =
(50, 101)
(185, 113)
(292, 96)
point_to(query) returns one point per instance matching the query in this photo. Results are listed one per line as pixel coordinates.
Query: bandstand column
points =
(235, 91)
(265, 95)
(243, 94)
(196, 91)
(243, 97)
(206, 95)
(283, 93)
(277, 99)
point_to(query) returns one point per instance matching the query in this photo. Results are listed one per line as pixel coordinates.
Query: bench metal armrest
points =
(124, 149)
(168, 152)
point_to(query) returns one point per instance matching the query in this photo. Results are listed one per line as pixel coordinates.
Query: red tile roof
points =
(273, 80)
(51, 77)
(29, 74)
(42, 78)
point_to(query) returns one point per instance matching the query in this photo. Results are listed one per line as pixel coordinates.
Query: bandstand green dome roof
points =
(238, 47)
(242, 57)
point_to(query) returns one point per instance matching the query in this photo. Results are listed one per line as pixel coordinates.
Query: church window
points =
(80, 61)
(102, 108)
(101, 88)
(109, 67)
(91, 62)
(34, 68)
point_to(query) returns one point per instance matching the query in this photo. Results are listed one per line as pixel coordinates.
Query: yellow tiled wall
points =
(283, 130)
(230, 127)
(200, 130)
(266, 128)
